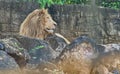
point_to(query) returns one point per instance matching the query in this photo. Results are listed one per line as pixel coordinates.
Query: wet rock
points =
(7, 62)
(14, 49)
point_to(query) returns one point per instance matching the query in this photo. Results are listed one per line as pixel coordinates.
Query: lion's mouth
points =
(51, 31)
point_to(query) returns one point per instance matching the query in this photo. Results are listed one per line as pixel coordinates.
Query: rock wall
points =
(101, 24)
(12, 13)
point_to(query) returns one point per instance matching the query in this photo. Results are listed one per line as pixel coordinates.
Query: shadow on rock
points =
(58, 43)
(41, 53)
(15, 50)
(7, 64)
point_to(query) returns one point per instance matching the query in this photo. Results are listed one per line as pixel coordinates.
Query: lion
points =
(38, 24)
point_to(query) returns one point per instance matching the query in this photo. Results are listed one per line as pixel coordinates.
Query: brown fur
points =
(38, 24)
(107, 63)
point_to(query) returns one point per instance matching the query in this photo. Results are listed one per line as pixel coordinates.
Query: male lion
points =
(38, 24)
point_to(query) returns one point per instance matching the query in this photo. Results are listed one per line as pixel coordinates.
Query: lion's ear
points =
(46, 10)
(43, 11)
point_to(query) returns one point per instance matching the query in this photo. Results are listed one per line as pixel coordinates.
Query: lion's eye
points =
(47, 17)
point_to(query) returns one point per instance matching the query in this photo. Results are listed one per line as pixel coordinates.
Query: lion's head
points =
(38, 24)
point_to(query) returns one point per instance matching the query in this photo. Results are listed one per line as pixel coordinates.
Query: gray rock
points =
(7, 62)
(14, 49)
(34, 52)
(39, 51)
(42, 53)
(111, 47)
(57, 43)
(2, 47)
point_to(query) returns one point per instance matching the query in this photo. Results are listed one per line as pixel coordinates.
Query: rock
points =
(43, 68)
(100, 48)
(116, 72)
(77, 57)
(109, 61)
(40, 51)
(77, 42)
(103, 48)
(8, 65)
(111, 47)
(14, 49)
(57, 43)
(34, 54)
(2, 47)
(7, 62)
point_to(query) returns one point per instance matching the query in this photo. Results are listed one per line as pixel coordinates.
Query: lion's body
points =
(38, 24)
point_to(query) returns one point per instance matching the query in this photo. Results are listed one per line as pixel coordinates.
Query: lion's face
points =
(48, 23)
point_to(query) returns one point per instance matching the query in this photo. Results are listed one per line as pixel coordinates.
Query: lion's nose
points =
(55, 23)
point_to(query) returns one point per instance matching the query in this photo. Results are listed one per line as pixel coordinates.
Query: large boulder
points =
(107, 63)
(15, 50)
(34, 54)
(78, 41)
(37, 48)
(41, 52)
(7, 62)
(104, 48)
(77, 57)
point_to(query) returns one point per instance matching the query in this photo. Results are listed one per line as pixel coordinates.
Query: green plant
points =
(76, 1)
(111, 4)
(36, 48)
(115, 4)
(43, 3)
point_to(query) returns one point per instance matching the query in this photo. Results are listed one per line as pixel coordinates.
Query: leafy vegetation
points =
(36, 48)
(105, 3)
(112, 4)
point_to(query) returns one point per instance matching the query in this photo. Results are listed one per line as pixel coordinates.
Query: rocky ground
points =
(52, 56)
